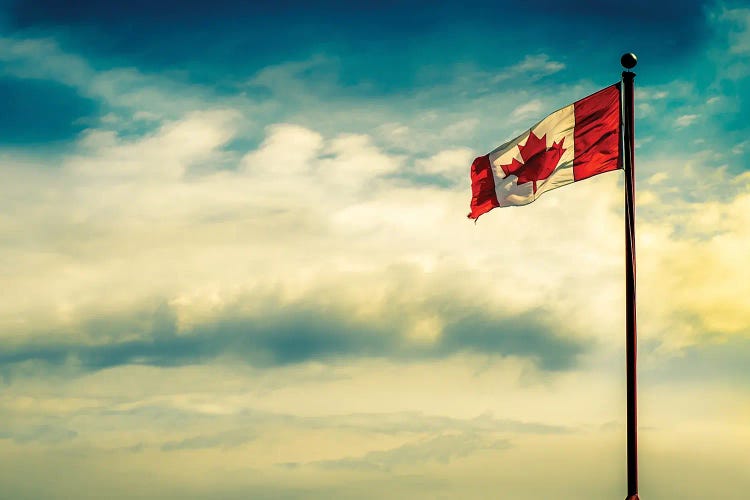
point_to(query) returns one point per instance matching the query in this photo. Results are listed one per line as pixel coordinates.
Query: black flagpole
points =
(628, 157)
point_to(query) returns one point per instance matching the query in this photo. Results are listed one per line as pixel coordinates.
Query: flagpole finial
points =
(628, 60)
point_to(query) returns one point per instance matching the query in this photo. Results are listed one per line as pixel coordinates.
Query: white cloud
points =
(43, 59)
(657, 178)
(321, 214)
(306, 213)
(645, 109)
(121, 88)
(650, 93)
(291, 214)
(528, 109)
(286, 153)
(449, 163)
(309, 216)
(531, 65)
(739, 34)
(166, 153)
(685, 120)
(698, 274)
(731, 28)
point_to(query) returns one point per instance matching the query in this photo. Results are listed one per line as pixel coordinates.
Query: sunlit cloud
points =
(264, 282)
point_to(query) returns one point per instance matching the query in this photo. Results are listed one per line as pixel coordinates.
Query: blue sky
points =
(237, 261)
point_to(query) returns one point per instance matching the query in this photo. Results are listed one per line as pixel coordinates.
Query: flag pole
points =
(631, 339)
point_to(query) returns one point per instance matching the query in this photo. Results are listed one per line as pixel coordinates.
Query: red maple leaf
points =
(538, 161)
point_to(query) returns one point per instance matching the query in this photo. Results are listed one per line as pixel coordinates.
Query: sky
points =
(236, 262)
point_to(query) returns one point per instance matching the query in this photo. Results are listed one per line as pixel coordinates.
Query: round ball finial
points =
(628, 60)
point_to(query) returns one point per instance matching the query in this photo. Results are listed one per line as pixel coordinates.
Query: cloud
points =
(442, 449)
(685, 120)
(412, 422)
(228, 439)
(450, 163)
(125, 90)
(658, 178)
(692, 269)
(330, 225)
(175, 214)
(540, 62)
(739, 34)
(531, 108)
(532, 66)
(731, 28)
(644, 109)
(277, 268)
(523, 334)
(291, 334)
(721, 360)
(44, 434)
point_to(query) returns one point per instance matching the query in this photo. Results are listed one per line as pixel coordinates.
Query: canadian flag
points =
(572, 144)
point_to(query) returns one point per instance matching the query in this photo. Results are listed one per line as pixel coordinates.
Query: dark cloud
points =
(295, 334)
(524, 335)
(718, 359)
